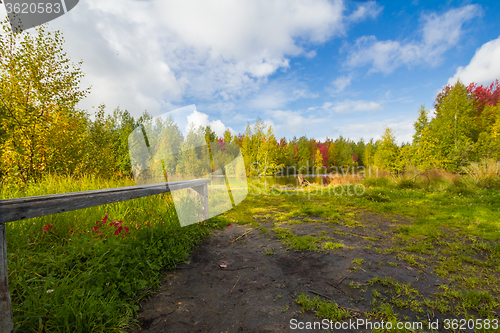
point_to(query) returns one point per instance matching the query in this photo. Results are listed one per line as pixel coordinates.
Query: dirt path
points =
(256, 291)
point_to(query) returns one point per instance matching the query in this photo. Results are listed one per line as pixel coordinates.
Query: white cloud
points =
(403, 130)
(278, 94)
(137, 54)
(292, 123)
(340, 83)
(439, 34)
(350, 106)
(310, 54)
(484, 66)
(368, 10)
(198, 119)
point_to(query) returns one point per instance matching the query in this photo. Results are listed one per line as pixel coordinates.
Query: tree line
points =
(42, 131)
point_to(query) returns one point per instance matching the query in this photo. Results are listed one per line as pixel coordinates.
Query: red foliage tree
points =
(323, 149)
(484, 95)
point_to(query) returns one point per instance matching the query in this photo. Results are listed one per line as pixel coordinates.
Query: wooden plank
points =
(29, 207)
(6, 325)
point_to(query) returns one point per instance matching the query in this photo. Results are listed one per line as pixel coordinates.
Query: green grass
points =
(323, 309)
(72, 278)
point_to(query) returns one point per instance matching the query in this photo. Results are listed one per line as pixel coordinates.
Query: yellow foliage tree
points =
(39, 89)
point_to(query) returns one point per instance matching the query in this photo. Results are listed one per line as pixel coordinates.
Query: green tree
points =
(450, 137)
(386, 156)
(405, 157)
(334, 154)
(369, 154)
(292, 154)
(246, 150)
(304, 155)
(420, 125)
(360, 151)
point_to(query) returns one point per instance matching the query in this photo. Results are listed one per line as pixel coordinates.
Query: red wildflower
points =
(117, 231)
(47, 227)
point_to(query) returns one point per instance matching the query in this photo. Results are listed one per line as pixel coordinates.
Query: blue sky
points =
(315, 68)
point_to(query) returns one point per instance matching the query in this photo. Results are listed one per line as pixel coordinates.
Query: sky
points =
(316, 68)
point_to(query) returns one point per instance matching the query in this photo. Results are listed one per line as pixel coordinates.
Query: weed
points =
(269, 252)
(358, 261)
(332, 246)
(323, 309)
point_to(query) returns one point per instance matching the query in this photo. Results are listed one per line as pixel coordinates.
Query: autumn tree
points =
(488, 143)
(39, 87)
(227, 137)
(318, 163)
(267, 155)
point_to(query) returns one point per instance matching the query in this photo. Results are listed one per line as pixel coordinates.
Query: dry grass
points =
(485, 173)
(338, 179)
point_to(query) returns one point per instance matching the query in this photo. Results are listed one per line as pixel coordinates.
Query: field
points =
(406, 249)
(87, 270)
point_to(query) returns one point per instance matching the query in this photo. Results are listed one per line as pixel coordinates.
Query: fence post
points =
(6, 325)
(203, 191)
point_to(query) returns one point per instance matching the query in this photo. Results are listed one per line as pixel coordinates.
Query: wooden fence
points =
(29, 207)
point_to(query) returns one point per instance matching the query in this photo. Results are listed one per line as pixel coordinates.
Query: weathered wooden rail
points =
(29, 207)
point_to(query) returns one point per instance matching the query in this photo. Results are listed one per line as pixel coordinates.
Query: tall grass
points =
(86, 270)
(485, 173)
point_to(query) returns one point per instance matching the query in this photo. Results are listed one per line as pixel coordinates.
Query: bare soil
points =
(256, 289)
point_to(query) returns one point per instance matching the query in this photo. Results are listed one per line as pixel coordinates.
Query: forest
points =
(43, 131)
(465, 128)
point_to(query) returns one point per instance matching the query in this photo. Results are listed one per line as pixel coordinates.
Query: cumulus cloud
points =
(152, 54)
(484, 66)
(439, 34)
(197, 119)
